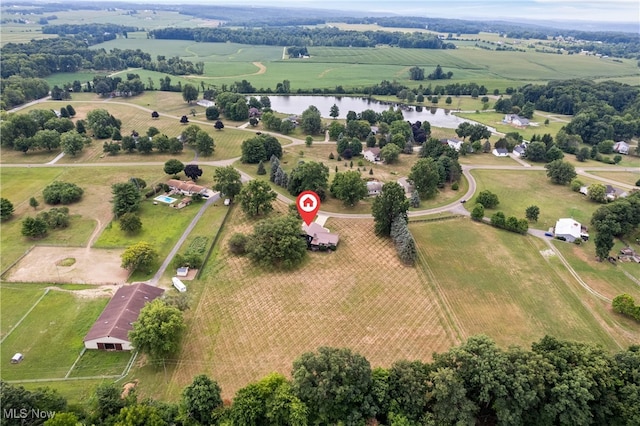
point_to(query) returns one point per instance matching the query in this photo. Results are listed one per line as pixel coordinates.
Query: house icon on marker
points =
(308, 202)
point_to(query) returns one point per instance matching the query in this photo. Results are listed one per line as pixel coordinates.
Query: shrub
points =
(455, 186)
(624, 304)
(62, 193)
(57, 217)
(238, 244)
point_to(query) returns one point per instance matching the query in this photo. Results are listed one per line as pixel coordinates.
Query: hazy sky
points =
(552, 10)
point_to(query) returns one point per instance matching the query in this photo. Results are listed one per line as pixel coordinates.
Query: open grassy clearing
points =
(494, 119)
(101, 363)
(630, 178)
(627, 161)
(60, 320)
(76, 392)
(518, 190)
(607, 279)
(93, 209)
(15, 301)
(497, 283)
(251, 322)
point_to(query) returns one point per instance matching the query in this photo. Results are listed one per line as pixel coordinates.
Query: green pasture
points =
(101, 363)
(494, 119)
(60, 320)
(609, 280)
(519, 189)
(15, 301)
(23, 183)
(497, 283)
(630, 178)
(76, 392)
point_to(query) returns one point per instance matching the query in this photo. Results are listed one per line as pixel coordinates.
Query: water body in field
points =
(437, 117)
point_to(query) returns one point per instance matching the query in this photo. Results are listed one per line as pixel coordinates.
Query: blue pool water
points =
(165, 199)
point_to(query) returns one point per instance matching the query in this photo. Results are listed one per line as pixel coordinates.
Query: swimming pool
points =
(165, 199)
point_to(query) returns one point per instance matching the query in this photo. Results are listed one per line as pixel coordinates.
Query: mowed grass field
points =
(519, 189)
(250, 322)
(498, 283)
(59, 320)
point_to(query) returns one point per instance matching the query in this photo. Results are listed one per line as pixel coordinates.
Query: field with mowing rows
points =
(250, 322)
(498, 283)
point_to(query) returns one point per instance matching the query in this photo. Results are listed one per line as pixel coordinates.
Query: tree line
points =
(299, 36)
(554, 382)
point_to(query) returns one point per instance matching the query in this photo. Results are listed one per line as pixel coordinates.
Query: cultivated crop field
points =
(498, 283)
(251, 322)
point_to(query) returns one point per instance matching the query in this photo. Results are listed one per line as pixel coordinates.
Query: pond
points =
(437, 117)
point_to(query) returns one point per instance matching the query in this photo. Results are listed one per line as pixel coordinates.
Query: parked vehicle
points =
(179, 285)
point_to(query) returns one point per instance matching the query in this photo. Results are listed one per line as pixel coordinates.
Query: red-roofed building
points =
(111, 329)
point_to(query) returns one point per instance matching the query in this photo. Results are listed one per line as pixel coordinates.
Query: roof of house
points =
(520, 149)
(320, 236)
(122, 311)
(374, 185)
(568, 226)
(185, 186)
(501, 151)
(375, 151)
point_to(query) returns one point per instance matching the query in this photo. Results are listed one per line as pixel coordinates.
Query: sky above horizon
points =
(550, 10)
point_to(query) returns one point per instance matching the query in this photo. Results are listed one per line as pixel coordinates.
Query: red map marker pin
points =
(308, 204)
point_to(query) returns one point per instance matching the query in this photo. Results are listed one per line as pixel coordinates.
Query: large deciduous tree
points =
(158, 330)
(311, 121)
(560, 172)
(425, 177)
(390, 153)
(276, 242)
(348, 187)
(389, 205)
(335, 384)
(126, 198)
(192, 171)
(227, 181)
(309, 176)
(102, 123)
(72, 142)
(59, 192)
(173, 167)
(488, 199)
(201, 399)
(130, 223)
(189, 93)
(140, 255)
(532, 213)
(204, 143)
(256, 197)
(34, 227)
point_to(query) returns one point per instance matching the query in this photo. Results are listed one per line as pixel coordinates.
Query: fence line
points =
(26, 252)
(25, 315)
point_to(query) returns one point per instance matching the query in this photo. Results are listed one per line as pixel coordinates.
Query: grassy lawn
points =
(494, 119)
(15, 301)
(497, 283)
(250, 322)
(60, 320)
(76, 392)
(518, 190)
(629, 178)
(101, 363)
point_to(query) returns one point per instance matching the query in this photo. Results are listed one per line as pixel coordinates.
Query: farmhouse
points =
(406, 185)
(613, 193)
(515, 120)
(519, 150)
(569, 230)
(186, 188)
(500, 152)
(372, 154)
(111, 329)
(621, 147)
(319, 238)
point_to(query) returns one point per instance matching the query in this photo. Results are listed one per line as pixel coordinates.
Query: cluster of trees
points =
(92, 33)
(604, 110)
(38, 227)
(624, 304)
(199, 139)
(348, 187)
(511, 223)
(616, 219)
(233, 105)
(301, 36)
(444, 160)
(42, 130)
(260, 148)
(309, 176)
(6, 208)
(60, 192)
(554, 382)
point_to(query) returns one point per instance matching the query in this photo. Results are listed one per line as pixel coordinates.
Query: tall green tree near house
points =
(425, 177)
(138, 256)
(276, 242)
(348, 187)
(227, 181)
(173, 167)
(200, 400)
(158, 330)
(256, 198)
(389, 205)
(189, 93)
(126, 198)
